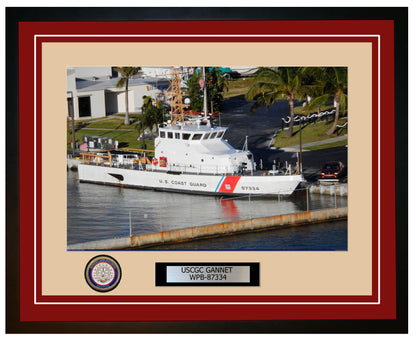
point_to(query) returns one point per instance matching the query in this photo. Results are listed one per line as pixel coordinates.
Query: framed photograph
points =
(233, 170)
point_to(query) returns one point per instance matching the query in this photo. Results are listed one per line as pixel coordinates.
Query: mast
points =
(205, 92)
(174, 94)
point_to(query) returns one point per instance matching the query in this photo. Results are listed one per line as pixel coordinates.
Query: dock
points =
(339, 189)
(72, 163)
(217, 230)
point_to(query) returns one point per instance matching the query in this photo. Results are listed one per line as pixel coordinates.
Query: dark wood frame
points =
(16, 15)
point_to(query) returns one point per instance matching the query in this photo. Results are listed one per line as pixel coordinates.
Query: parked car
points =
(332, 170)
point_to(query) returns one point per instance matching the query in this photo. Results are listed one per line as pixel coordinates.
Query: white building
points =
(94, 93)
(152, 72)
(245, 71)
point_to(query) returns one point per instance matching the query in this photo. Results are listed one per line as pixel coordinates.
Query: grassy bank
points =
(325, 146)
(114, 127)
(301, 110)
(310, 133)
(238, 87)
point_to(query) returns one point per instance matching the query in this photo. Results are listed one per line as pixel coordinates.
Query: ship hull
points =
(219, 185)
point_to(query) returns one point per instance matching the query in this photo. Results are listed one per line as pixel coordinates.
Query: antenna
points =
(174, 94)
(245, 146)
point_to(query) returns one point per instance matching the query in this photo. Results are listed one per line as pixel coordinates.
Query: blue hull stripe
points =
(219, 184)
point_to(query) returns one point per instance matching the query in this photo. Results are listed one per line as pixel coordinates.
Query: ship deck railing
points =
(106, 158)
(145, 165)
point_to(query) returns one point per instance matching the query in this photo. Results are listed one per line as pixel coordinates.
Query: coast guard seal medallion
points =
(103, 273)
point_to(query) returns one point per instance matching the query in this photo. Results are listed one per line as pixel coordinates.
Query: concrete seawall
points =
(72, 163)
(334, 189)
(199, 232)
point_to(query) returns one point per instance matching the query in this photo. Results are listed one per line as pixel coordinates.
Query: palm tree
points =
(217, 83)
(333, 82)
(272, 84)
(193, 92)
(152, 113)
(126, 74)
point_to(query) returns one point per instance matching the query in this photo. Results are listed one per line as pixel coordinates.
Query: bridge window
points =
(197, 136)
(186, 136)
(177, 135)
(213, 135)
(220, 134)
(162, 134)
(170, 135)
(206, 136)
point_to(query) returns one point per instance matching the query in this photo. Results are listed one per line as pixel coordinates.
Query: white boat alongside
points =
(188, 158)
(191, 157)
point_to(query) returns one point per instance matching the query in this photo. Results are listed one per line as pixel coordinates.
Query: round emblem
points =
(103, 273)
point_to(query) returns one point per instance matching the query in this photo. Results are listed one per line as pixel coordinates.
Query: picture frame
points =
(29, 309)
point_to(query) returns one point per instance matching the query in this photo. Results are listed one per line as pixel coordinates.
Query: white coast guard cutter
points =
(190, 157)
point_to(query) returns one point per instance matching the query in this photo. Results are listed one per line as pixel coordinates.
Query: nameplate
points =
(207, 274)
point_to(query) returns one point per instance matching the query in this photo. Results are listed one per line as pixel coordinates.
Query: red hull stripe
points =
(228, 184)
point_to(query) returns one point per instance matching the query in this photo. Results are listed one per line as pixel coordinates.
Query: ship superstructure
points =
(196, 148)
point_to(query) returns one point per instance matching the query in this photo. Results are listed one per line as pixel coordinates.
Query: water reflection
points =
(97, 212)
(229, 209)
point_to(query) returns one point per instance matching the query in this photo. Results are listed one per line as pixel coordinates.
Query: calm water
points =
(98, 212)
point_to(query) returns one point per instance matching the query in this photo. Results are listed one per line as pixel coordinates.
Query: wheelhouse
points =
(191, 136)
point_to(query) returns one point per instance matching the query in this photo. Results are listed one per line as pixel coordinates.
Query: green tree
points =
(333, 83)
(216, 84)
(273, 84)
(194, 92)
(152, 114)
(126, 74)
